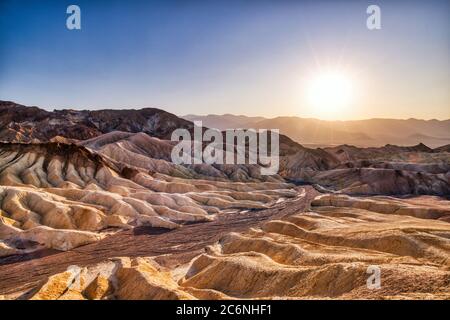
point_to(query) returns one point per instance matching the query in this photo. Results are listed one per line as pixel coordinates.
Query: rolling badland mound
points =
(139, 138)
(100, 187)
(322, 253)
(63, 196)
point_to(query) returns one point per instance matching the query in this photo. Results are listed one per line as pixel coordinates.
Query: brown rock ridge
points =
(19, 123)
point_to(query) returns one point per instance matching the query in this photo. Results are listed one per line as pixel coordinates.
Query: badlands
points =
(91, 207)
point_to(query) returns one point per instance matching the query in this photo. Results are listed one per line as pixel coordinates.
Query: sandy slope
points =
(62, 196)
(321, 253)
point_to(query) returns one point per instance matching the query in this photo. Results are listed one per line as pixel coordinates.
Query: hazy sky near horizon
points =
(241, 57)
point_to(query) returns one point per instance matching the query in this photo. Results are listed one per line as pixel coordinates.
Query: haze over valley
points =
(323, 133)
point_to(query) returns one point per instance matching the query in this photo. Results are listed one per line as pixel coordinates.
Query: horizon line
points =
(224, 114)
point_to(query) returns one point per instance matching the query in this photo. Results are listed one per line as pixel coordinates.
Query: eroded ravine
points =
(177, 246)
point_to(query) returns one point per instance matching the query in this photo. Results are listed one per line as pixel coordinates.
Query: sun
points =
(330, 94)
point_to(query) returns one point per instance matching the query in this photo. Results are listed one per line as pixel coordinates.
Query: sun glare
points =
(330, 94)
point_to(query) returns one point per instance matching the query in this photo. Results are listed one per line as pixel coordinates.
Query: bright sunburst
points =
(330, 93)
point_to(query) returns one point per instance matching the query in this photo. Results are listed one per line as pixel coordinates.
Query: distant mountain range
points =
(321, 133)
(22, 123)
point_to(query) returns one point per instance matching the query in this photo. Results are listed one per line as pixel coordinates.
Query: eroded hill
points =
(97, 191)
(63, 196)
(323, 253)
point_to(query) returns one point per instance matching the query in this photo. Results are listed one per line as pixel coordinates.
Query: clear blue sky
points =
(242, 57)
